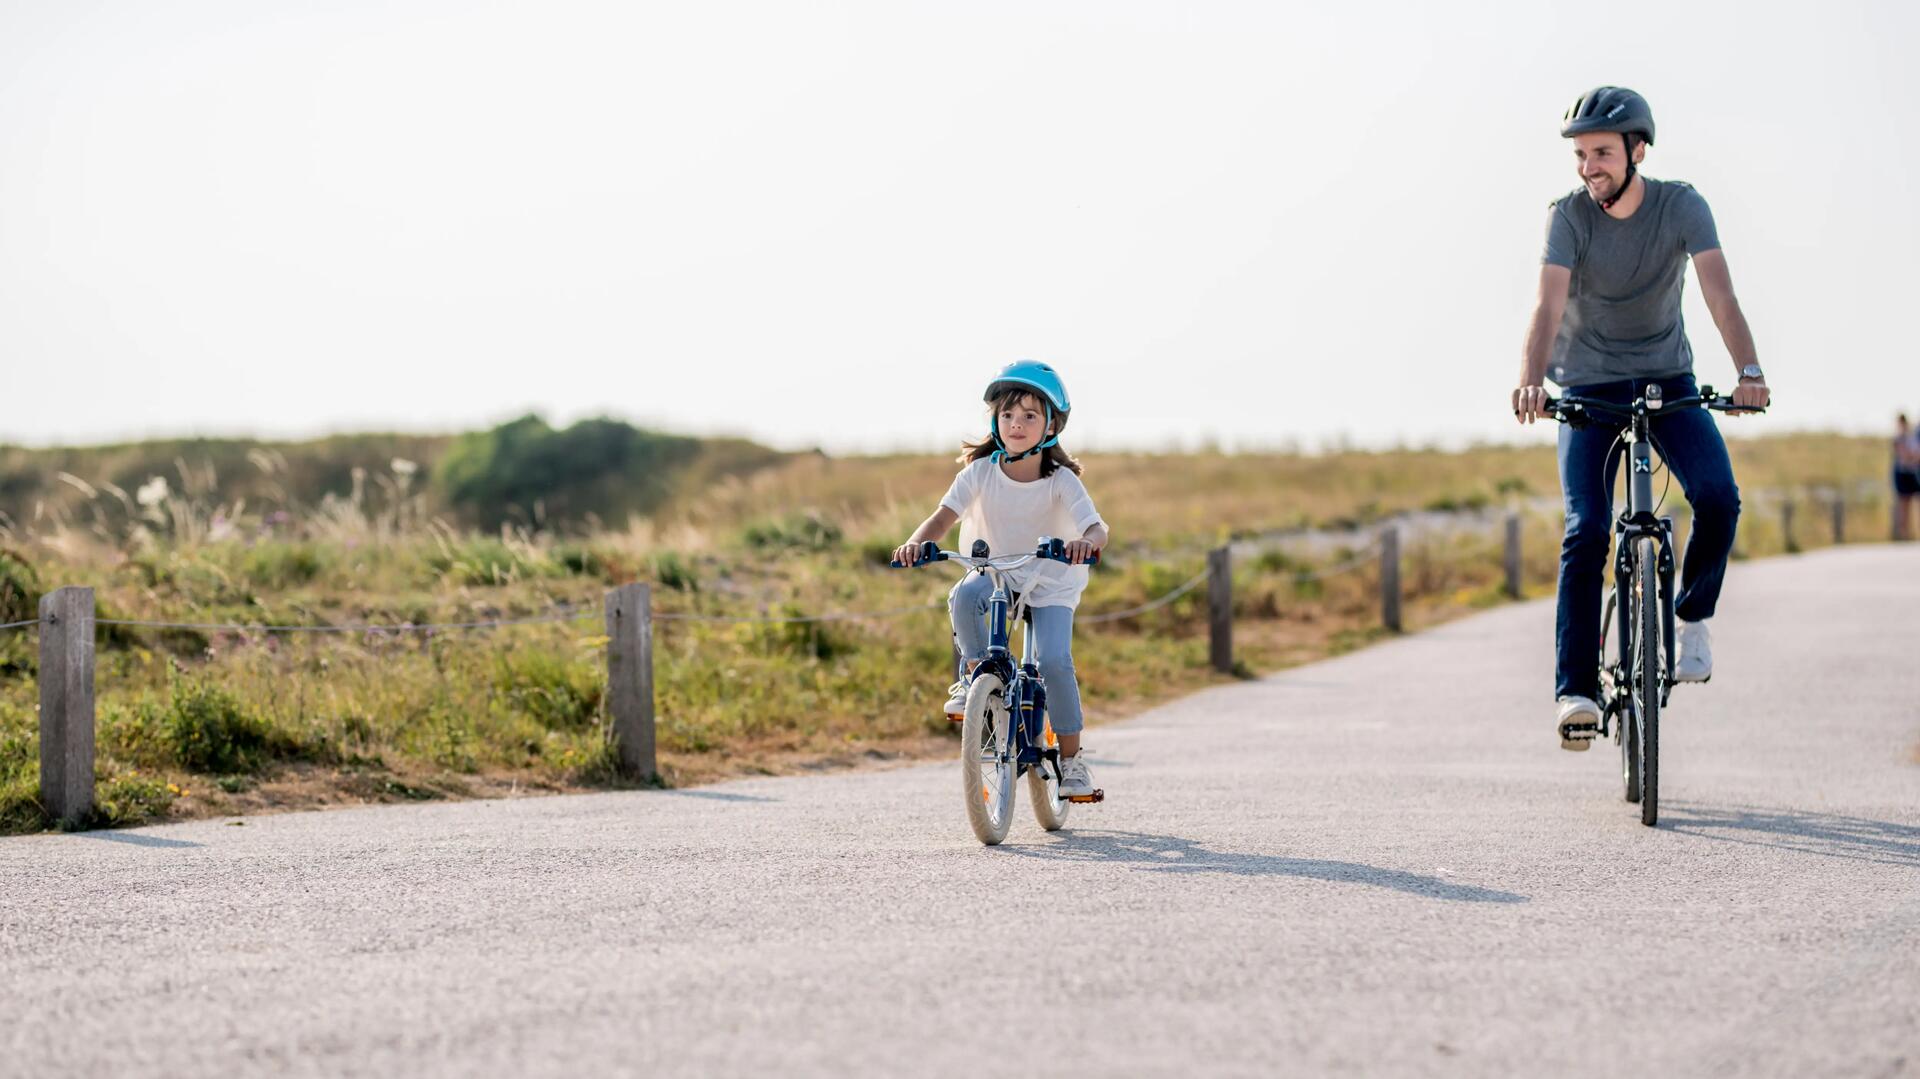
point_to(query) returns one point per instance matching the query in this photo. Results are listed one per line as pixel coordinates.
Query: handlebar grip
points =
(929, 551)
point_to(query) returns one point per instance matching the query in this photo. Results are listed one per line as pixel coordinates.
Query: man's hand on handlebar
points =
(1750, 394)
(1530, 404)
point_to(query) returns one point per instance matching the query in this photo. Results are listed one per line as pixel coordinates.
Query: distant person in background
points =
(1906, 477)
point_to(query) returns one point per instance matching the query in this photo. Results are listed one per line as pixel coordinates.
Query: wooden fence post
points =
(1786, 527)
(66, 703)
(1220, 608)
(1839, 519)
(630, 677)
(1390, 577)
(1513, 556)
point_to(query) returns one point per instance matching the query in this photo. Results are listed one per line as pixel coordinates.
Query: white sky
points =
(828, 224)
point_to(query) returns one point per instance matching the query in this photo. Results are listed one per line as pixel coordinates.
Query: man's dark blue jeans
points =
(1690, 444)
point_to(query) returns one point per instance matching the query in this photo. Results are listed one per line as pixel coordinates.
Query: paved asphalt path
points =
(1378, 865)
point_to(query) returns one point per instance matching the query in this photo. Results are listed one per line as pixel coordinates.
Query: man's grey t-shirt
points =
(1623, 305)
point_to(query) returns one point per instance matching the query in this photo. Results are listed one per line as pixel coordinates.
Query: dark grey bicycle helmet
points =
(1609, 108)
(1613, 109)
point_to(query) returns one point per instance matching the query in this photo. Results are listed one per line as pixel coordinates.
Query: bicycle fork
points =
(1636, 523)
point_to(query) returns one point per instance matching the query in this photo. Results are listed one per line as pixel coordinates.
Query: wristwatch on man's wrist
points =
(1752, 373)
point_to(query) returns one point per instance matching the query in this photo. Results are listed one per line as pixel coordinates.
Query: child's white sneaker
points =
(1075, 780)
(957, 701)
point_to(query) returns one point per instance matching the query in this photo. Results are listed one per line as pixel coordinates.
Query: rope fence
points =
(572, 615)
(1182, 589)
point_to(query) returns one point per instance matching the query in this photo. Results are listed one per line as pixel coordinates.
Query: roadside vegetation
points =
(210, 721)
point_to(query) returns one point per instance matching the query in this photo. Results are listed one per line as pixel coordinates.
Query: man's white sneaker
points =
(957, 700)
(1576, 719)
(1694, 662)
(1075, 780)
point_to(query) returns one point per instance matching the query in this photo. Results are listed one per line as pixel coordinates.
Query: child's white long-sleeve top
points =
(1012, 516)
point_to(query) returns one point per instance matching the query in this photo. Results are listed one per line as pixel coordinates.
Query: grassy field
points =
(196, 722)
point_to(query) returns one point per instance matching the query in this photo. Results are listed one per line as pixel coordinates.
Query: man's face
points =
(1602, 158)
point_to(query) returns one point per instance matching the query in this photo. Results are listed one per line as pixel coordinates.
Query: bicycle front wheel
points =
(1624, 730)
(1649, 667)
(986, 759)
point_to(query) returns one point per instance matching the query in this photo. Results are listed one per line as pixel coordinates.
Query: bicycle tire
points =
(1043, 789)
(1624, 732)
(1649, 667)
(986, 782)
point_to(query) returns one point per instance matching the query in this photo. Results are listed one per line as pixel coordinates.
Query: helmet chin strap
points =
(1001, 454)
(1626, 183)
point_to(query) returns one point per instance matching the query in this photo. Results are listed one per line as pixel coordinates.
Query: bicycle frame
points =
(1637, 684)
(1026, 690)
(1637, 521)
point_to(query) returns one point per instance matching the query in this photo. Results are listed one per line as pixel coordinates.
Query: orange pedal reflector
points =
(1096, 796)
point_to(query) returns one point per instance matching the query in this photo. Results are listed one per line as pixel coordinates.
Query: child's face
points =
(1023, 423)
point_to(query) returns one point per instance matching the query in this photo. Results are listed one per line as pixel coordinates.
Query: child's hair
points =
(1052, 457)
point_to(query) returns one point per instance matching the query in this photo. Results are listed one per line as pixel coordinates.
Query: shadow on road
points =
(137, 840)
(1171, 854)
(719, 796)
(1829, 835)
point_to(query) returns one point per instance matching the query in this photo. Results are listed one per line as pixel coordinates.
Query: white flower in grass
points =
(404, 468)
(153, 492)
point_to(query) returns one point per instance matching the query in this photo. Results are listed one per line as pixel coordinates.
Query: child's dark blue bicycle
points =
(1006, 733)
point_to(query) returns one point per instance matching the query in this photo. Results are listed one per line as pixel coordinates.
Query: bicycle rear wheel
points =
(986, 773)
(1043, 787)
(1649, 667)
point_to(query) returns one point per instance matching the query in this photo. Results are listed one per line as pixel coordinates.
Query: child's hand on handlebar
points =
(1079, 551)
(907, 553)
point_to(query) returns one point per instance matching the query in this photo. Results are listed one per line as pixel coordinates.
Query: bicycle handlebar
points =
(1049, 548)
(1569, 408)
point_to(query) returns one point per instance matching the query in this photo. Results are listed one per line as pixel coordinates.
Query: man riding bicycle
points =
(1606, 326)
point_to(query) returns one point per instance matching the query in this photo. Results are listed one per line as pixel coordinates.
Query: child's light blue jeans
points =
(1052, 645)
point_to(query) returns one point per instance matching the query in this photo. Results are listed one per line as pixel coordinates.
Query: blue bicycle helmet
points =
(1047, 385)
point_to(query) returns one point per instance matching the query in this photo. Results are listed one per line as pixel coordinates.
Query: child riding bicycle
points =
(1014, 486)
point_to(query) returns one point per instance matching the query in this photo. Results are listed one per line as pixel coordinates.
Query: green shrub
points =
(19, 588)
(210, 730)
(127, 799)
(483, 560)
(527, 472)
(275, 566)
(674, 570)
(801, 531)
(808, 640)
(20, 808)
(558, 692)
(580, 560)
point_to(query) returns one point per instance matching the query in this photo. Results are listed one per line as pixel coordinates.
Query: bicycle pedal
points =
(1578, 737)
(1097, 796)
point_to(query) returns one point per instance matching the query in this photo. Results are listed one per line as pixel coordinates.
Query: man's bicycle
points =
(1006, 733)
(1636, 630)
